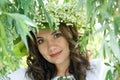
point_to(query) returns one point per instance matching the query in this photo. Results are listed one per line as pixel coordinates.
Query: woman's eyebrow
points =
(53, 32)
(39, 37)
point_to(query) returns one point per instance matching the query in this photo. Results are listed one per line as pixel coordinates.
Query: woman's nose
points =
(51, 45)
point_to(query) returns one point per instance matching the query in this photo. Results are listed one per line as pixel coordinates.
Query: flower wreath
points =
(67, 13)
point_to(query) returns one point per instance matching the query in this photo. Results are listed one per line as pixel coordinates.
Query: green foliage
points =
(18, 17)
(109, 75)
(14, 26)
(46, 14)
(107, 14)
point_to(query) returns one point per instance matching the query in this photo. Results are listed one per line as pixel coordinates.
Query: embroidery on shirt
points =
(65, 78)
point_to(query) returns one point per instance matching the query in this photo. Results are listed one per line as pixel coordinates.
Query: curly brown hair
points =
(40, 69)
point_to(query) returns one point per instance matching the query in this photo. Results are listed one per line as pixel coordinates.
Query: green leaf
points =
(46, 14)
(0, 12)
(21, 25)
(90, 9)
(17, 40)
(110, 8)
(107, 64)
(118, 69)
(80, 4)
(101, 29)
(3, 3)
(23, 30)
(109, 75)
(117, 25)
(20, 49)
(2, 33)
(108, 52)
(114, 45)
(23, 18)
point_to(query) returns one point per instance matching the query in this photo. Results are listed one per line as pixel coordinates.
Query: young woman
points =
(53, 53)
(53, 56)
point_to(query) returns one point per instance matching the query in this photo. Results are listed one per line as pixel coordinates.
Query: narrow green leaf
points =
(109, 75)
(2, 33)
(107, 64)
(23, 30)
(117, 25)
(90, 9)
(118, 69)
(3, 3)
(114, 45)
(110, 8)
(80, 4)
(46, 14)
(101, 29)
(23, 18)
(108, 52)
(3, 47)
(20, 49)
(0, 12)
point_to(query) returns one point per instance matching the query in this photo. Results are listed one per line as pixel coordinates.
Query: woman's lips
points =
(55, 54)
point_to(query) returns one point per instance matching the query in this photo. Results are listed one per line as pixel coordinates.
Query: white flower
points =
(67, 13)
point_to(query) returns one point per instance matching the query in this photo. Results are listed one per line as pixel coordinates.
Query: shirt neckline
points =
(69, 76)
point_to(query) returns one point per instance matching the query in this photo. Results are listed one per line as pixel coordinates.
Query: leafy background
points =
(101, 32)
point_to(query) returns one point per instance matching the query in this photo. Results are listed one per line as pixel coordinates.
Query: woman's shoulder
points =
(98, 70)
(19, 74)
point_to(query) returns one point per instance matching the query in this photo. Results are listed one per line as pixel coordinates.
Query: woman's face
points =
(53, 46)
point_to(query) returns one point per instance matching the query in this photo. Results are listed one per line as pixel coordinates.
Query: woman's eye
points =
(40, 41)
(57, 35)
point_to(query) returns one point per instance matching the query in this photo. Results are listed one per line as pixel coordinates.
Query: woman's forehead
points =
(42, 32)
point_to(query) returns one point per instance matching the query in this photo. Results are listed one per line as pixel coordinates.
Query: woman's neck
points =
(63, 69)
(63, 73)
